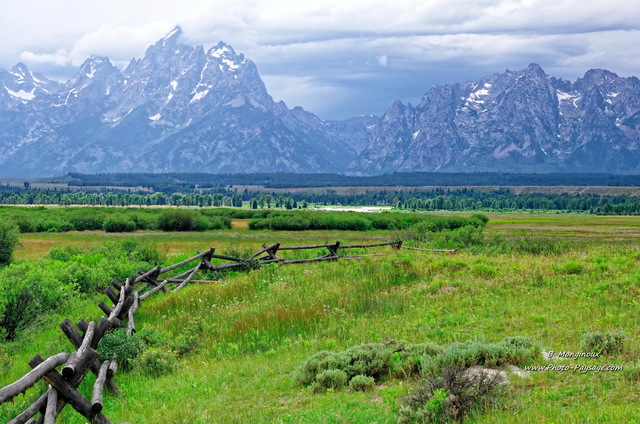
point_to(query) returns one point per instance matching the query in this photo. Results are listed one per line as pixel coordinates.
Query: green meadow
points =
(233, 350)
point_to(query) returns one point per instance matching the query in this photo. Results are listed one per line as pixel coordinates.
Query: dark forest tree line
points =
(434, 200)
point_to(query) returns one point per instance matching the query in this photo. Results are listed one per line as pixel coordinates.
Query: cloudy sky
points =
(337, 58)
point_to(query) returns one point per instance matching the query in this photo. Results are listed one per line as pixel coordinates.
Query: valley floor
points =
(256, 329)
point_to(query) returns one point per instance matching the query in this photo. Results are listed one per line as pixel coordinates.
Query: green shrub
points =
(361, 383)
(26, 225)
(9, 237)
(27, 290)
(143, 221)
(83, 221)
(119, 224)
(64, 253)
(126, 348)
(603, 343)
(156, 362)
(480, 217)
(177, 220)
(451, 397)
(189, 339)
(330, 379)
(152, 337)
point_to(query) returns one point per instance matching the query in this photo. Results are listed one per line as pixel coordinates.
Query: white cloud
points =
(310, 45)
(311, 93)
(59, 58)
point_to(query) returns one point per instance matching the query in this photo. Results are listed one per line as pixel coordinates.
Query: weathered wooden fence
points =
(85, 337)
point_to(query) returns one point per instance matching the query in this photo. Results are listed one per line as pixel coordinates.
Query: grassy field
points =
(253, 332)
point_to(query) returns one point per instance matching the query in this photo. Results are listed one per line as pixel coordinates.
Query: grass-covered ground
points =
(247, 337)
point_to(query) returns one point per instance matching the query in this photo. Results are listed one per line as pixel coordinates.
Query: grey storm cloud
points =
(337, 58)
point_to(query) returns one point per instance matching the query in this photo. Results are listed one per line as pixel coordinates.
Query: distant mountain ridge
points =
(177, 108)
(183, 109)
(524, 121)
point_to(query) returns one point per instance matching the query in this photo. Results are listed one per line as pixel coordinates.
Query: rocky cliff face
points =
(183, 109)
(523, 121)
(179, 108)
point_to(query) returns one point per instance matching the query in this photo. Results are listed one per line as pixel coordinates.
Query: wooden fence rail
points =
(85, 337)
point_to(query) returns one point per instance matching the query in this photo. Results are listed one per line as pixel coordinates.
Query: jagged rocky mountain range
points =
(183, 109)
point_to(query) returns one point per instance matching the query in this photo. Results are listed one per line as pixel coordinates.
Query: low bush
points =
(451, 397)
(361, 383)
(119, 224)
(9, 232)
(375, 360)
(125, 348)
(64, 253)
(400, 359)
(330, 379)
(511, 350)
(480, 217)
(29, 290)
(155, 362)
(604, 343)
(177, 220)
(447, 234)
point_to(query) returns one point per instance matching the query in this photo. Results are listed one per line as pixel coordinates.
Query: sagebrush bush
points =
(330, 379)
(361, 383)
(125, 348)
(9, 237)
(375, 360)
(604, 343)
(371, 360)
(156, 362)
(451, 397)
(511, 350)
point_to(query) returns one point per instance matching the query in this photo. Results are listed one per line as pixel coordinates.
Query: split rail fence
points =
(85, 337)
